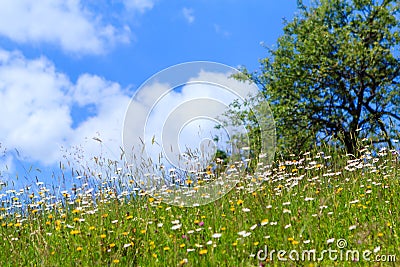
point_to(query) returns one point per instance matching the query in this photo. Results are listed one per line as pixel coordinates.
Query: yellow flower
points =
(102, 236)
(50, 217)
(75, 211)
(129, 217)
(48, 223)
(182, 245)
(234, 244)
(112, 245)
(256, 243)
(151, 200)
(125, 233)
(203, 251)
(75, 232)
(339, 190)
(105, 215)
(196, 221)
(166, 248)
(380, 234)
(79, 248)
(223, 228)
(294, 242)
(239, 202)
(154, 255)
(92, 228)
(76, 219)
(143, 231)
(116, 261)
(182, 262)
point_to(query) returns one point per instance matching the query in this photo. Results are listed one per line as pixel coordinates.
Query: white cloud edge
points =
(67, 24)
(188, 14)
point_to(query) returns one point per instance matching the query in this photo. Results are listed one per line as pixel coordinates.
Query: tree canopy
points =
(335, 73)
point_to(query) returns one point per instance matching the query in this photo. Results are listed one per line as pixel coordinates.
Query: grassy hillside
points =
(329, 203)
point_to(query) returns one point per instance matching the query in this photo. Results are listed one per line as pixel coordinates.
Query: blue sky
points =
(68, 68)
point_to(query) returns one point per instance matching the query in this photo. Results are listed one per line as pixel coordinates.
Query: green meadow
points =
(319, 208)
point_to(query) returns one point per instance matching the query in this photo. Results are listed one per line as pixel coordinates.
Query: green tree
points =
(334, 73)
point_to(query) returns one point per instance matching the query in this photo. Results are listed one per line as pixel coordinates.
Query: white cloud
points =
(188, 14)
(219, 30)
(181, 119)
(66, 23)
(140, 5)
(37, 103)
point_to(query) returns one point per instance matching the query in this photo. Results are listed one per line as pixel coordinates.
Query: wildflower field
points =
(317, 201)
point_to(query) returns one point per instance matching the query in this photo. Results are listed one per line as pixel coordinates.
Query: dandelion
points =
(102, 236)
(182, 245)
(203, 251)
(184, 261)
(166, 248)
(75, 232)
(116, 261)
(239, 202)
(79, 248)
